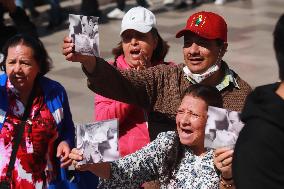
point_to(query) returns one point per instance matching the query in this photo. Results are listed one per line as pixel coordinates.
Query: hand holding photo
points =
(98, 141)
(85, 34)
(222, 128)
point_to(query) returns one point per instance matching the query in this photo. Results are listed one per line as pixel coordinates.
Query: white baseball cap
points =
(139, 19)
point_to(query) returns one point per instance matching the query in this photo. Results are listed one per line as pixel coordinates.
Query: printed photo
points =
(98, 141)
(222, 128)
(85, 34)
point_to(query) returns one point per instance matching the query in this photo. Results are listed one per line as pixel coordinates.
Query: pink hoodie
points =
(133, 130)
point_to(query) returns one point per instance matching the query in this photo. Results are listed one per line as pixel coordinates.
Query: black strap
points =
(19, 130)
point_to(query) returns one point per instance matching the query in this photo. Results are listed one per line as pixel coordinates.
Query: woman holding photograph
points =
(178, 159)
(34, 111)
(141, 46)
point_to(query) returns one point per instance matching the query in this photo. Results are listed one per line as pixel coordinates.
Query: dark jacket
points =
(22, 24)
(258, 160)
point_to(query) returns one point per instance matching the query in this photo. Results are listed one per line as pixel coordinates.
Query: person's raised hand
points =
(223, 161)
(144, 61)
(68, 50)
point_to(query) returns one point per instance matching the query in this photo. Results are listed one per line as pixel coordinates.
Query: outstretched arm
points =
(131, 86)
(133, 169)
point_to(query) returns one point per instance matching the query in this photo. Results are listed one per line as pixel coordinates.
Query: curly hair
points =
(159, 52)
(212, 97)
(39, 52)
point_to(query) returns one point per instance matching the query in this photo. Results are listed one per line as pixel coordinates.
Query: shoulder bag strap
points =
(19, 132)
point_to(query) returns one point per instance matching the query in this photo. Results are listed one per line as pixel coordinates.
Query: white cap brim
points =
(139, 28)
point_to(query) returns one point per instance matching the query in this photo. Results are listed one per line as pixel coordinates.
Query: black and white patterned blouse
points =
(194, 172)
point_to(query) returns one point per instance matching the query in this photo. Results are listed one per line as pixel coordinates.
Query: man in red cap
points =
(159, 89)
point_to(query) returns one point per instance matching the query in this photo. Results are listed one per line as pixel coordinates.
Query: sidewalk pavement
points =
(250, 52)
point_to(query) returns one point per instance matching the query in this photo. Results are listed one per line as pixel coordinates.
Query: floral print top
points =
(36, 148)
(194, 172)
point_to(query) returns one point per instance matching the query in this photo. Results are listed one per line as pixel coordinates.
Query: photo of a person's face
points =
(234, 117)
(111, 150)
(87, 25)
(223, 126)
(212, 134)
(236, 124)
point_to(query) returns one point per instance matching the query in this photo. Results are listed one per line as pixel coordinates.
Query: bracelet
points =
(225, 184)
(226, 179)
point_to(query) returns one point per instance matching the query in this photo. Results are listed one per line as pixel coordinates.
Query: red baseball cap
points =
(207, 25)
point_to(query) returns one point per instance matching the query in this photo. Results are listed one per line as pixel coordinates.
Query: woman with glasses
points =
(178, 159)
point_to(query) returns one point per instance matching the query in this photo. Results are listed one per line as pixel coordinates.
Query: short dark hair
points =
(279, 45)
(209, 94)
(39, 52)
(159, 52)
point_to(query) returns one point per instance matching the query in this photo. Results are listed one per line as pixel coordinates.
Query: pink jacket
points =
(133, 129)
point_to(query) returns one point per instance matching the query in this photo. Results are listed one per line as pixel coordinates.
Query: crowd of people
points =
(162, 109)
(88, 7)
(158, 90)
(91, 7)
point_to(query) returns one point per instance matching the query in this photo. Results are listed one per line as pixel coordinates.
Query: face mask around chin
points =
(198, 78)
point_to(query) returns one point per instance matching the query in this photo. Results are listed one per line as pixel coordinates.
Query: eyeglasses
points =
(194, 116)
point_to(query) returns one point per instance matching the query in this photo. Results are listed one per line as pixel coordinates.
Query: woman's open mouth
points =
(135, 53)
(187, 131)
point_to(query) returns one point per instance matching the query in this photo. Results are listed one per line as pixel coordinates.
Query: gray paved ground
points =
(250, 51)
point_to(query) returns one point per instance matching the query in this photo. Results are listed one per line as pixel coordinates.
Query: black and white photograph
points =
(98, 141)
(222, 128)
(84, 31)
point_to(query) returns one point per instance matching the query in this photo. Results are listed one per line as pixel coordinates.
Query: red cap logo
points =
(207, 25)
